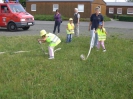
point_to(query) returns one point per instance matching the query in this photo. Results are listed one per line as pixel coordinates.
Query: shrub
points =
(116, 16)
(106, 18)
(51, 18)
(84, 19)
(44, 17)
(47, 17)
(126, 18)
(65, 18)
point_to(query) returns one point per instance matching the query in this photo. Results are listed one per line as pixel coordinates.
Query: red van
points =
(14, 16)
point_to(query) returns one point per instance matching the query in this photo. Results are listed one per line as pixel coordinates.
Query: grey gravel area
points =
(122, 29)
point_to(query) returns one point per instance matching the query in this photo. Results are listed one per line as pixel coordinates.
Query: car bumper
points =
(24, 24)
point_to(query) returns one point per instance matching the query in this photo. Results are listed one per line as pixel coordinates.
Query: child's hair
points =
(44, 35)
(103, 29)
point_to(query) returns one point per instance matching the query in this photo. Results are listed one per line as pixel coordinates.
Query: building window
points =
(130, 11)
(119, 10)
(55, 7)
(81, 8)
(111, 10)
(33, 7)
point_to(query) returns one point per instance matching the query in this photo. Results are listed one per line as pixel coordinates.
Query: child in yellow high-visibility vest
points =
(52, 39)
(70, 30)
(101, 36)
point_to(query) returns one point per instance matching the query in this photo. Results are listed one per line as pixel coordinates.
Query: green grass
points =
(32, 76)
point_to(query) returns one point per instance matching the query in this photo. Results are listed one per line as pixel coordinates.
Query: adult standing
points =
(57, 18)
(76, 20)
(94, 23)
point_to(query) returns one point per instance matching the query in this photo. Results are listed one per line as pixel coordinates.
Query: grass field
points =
(31, 75)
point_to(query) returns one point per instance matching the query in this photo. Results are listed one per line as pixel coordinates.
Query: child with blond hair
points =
(70, 30)
(101, 31)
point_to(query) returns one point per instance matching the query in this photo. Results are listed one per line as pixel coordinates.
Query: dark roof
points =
(119, 3)
(57, 0)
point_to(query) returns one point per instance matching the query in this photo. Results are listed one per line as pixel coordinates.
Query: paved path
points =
(113, 28)
(109, 24)
(119, 24)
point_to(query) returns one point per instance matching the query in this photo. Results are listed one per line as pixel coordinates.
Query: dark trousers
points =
(57, 25)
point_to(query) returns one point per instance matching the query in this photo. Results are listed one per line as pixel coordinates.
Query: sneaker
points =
(51, 58)
(104, 50)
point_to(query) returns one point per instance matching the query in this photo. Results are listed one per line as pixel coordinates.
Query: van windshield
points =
(16, 8)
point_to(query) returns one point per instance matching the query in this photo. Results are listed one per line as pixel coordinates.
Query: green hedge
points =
(116, 16)
(125, 18)
(51, 18)
(88, 19)
(44, 17)
(106, 18)
(47, 17)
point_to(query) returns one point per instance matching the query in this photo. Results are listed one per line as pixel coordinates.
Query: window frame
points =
(32, 6)
(128, 9)
(82, 6)
(110, 11)
(54, 9)
(118, 11)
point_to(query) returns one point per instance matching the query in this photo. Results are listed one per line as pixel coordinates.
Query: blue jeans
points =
(69, 38)
(57, 24)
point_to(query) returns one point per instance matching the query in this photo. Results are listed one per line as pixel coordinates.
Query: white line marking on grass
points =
(21, 51)
(2, 52)
(57, 49)
(29, 51)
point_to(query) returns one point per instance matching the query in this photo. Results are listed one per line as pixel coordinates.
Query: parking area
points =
(125, 29)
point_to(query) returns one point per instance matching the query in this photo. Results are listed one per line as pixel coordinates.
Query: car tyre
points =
(12, 27)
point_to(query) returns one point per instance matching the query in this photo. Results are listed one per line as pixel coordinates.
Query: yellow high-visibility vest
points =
(101, 34)
(70, 29)
(52, 38)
